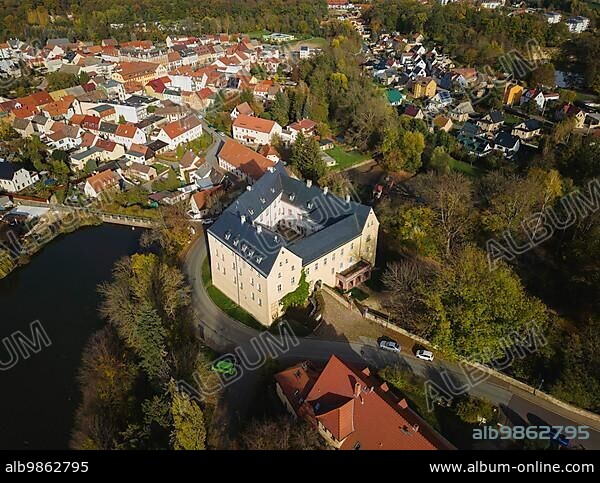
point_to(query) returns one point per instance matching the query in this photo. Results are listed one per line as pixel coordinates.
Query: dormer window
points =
(227, 235)
(292, 196)
(310, 205)
(259, 259)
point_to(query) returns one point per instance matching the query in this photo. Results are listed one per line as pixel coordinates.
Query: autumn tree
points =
(189, 432)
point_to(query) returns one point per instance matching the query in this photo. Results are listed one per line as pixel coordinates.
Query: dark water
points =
(39, 395)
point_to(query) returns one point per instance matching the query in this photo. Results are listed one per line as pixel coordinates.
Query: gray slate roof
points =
(335, 221)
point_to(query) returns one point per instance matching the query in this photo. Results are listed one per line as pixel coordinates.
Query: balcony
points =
(355, 275)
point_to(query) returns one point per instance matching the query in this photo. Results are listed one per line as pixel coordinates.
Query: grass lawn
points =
(465, 168)
(346, 159)
(225, 303)
(312, 42)
(160, 168)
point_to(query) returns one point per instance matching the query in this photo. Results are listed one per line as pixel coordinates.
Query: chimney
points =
(258, 229)
(403, 404)
(243, 219)
(271, 169)
(357, 389)
(325, 190)
(309, 183)
(347, 198)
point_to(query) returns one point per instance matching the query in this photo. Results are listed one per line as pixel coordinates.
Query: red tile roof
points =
(177, 128)
(245, 159)
(126, 130)
(356, 408)
(254, 123)
(103, 181)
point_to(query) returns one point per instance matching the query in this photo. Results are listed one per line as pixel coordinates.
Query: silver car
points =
(390, 345)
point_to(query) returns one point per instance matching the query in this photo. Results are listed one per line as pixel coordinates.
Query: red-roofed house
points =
(243, 161)
(304, 126)
(101, 182)
(128, 134)
(255, 130)
(353, 410)
(182, 131)
(243, 108)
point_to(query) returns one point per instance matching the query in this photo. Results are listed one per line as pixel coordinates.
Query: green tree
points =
(189, 432)
(306, 157)
(474, 309)
(280, 109)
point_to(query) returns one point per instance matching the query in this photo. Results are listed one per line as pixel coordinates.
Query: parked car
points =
(389, 345)
(424, 355)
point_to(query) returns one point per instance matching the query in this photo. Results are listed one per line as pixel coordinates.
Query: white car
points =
(390, 345)
(424, 355)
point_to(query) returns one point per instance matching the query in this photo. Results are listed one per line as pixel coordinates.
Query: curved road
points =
(224, 334)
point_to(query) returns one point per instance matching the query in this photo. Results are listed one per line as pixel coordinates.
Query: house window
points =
(279, 275)
(368, 238)
(342, 252)
(307, 270)
(260, 302)
(325, 261)
(241, 285)
(292, 268)
(258, 287)
(317, 266)
(333, 257)
(279, 288)
(252, 281)
(252, 295)
(352, 246)
(218, 267)
(293, 280)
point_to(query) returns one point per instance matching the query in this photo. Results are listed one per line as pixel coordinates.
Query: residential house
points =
(141, 171)
(414, 112)
(14, 178)
(243, 108)
(270, 152)
(424, 87)
(100, 183)
(443, 123)
(307, 127)
(182, 131)
(491, 122)
(527, 129)
(255, 130)
(199, 201)
(243, 161)
(572, 112)
(189, 163)
(507, 144)
(354, 410)
(512, 94)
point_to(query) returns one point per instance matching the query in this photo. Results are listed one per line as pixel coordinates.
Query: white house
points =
(14, 178)
(255, 130)
(182, 131)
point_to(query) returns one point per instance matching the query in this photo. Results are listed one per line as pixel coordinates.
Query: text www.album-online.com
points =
(537, 467)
